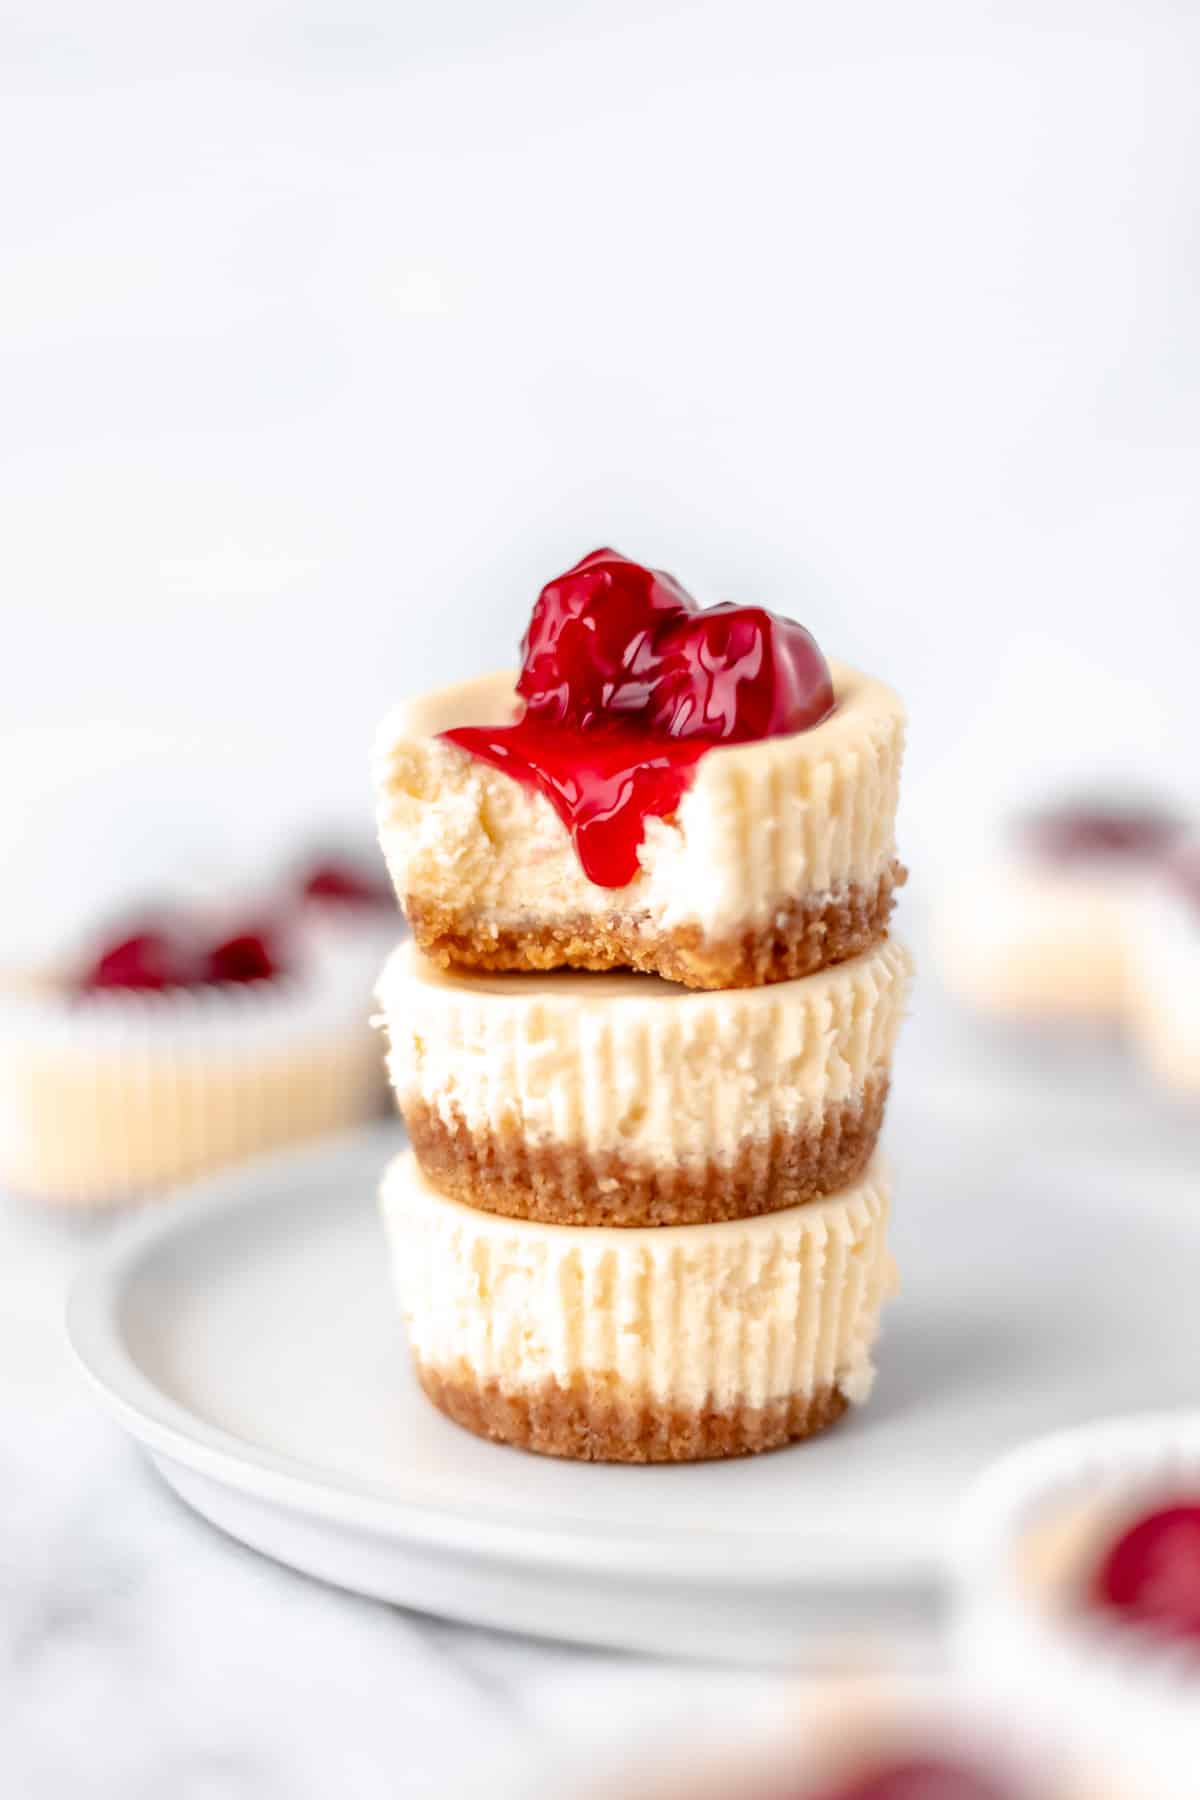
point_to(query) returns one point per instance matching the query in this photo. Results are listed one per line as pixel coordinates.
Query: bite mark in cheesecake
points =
(779, 859)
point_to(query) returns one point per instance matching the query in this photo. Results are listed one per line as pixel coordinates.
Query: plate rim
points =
(166, 1427)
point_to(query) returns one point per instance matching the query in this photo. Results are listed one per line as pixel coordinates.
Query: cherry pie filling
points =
(626, 684)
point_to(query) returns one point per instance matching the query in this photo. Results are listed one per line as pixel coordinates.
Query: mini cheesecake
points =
(1079, 1563)
(779, 859)
(619, 1099)
(640, 1345)
(1042, 931)
(692, 793)
(172, 1050)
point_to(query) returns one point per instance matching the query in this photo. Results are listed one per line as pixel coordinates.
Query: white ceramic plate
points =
(247, 1337)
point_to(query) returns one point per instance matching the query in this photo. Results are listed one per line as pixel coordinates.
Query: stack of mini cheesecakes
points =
(642, 1218)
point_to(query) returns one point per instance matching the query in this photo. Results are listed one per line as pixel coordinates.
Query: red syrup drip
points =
(1151, 1576)
(924, 1778)
(626, 684)
(603, 784)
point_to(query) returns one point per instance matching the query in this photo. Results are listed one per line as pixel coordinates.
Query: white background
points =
(331, 330)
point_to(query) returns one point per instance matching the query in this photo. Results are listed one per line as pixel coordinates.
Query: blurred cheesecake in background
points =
(173, 1042)
(1042, 931)
(861, 1737)
(168, 1000)
(1079, 1567)
(346, 901)
(1164, 970)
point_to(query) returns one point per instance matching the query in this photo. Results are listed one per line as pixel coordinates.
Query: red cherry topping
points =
(1151, 1576)
(1077, 833)
(346, 884)
(146, 962)
(737, 673)
(923, 1778)
(590, 651)
(626, 684)
(248, 956)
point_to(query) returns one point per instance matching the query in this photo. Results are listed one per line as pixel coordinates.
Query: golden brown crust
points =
(600, 1420)
(802, 937)
(568, 1184)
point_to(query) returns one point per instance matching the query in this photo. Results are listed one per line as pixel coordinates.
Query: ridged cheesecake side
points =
(641, 1345)
(619, 1100)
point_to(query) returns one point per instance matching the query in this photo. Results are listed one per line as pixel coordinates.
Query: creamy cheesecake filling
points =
(782, 821)
(619, 1099)
(752, 1314)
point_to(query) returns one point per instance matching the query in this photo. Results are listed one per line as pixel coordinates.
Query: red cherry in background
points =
(145, 962)
(247, 956)
(1078, 831)
(345, 883)
(1151, 1575)
(173, 956)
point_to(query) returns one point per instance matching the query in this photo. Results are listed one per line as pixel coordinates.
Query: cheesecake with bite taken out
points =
(693, 793)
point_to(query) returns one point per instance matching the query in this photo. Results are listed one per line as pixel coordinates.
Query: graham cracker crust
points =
(499, 1171)
(802, 936)
(599, 1420)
